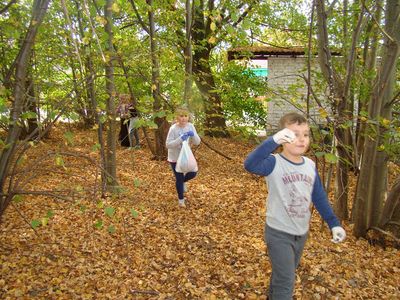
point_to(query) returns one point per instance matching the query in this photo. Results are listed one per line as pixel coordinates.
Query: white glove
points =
(338, 234)
(284, 136)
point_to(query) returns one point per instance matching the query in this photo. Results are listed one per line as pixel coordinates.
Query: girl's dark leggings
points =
(180, 179)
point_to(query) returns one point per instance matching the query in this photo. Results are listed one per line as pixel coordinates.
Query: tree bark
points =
(111, 164)
(215, 124)
(392, 201)
(371, 45)
(30, 128)
(22, 61)
(379, 106)
(187, 95)
(161, 121)
(338, 94)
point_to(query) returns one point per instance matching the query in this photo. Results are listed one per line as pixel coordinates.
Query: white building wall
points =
(283, 72)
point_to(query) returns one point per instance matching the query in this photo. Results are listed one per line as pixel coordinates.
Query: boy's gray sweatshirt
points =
(292, 187)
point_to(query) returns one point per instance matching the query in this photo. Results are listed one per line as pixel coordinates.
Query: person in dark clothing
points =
(133, 128)
(128, 118)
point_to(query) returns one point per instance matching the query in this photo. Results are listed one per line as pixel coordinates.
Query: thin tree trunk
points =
(370, 49)
(188, 53)
(31, 129)
(38, 12)
(89, 86)
(111, 163)
(92, 98)
(338, 100)
(162, 123)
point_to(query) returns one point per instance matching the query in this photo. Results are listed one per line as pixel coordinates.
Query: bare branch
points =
(5, 8)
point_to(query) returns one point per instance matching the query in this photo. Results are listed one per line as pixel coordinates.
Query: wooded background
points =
(71, 60)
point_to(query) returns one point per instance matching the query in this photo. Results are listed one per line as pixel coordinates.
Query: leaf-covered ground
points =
(141, 245)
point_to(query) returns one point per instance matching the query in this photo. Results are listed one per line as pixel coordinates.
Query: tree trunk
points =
(187, 95)
(338, 97)
(369, 57)
(111, 164)
(38, 12)
(215, 124)
(91, 115)
(378, 107)
(91, 94)
(31, 130)
(161, 121)
(392, 201)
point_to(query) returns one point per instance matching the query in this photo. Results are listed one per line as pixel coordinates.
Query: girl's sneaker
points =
(182, 203)
(185, 188)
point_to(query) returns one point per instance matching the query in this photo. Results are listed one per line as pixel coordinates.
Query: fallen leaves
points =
(214, 249)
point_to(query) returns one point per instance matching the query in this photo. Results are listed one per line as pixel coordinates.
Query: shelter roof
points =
(263, 52)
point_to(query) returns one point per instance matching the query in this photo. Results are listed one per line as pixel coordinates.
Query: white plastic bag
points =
(186, 161)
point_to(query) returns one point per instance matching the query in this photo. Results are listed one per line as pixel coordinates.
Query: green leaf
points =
(96, 147)
(69, 136)
(159, 114)
(50, 214)
(35, 223)
(52, 114)
(136, 182)
(109, 211)
(99, 224)
(29, 115)
(18, 198)
(331, 158)
(111, 229)
(134, 213)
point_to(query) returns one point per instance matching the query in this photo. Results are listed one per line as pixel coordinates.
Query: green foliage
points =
(69, 137)
(134, 213)
(239, 89)
(99, 224)
(96, 147)
(136, 182)
(50, 213)
(18, 198)
(111, 229)
(35, 223)
(109, 211)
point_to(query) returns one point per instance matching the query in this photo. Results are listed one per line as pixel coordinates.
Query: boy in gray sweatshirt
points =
(293, 185)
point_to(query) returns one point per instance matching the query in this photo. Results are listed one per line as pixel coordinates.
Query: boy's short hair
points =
(291, 118)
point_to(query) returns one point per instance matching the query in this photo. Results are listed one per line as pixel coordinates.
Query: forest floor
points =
(139, 244)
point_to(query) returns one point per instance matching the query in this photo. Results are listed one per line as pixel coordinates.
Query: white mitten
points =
(284, 136)
(338, 234)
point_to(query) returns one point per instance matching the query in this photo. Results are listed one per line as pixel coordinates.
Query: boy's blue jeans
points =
(180, 179)
(284, 251)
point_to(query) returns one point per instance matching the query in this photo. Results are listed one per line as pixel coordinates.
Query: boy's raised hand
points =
(338, 234)
(284, 136)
